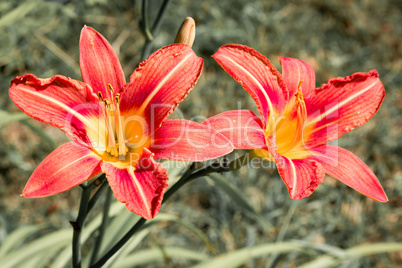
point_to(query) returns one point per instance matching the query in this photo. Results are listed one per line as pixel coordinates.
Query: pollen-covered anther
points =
(100, 96)
(109, 86)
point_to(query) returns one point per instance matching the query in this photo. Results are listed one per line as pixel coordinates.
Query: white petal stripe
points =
(137, 185)
(251, 77)
(164, 80)
(63, 106)
(342, 103)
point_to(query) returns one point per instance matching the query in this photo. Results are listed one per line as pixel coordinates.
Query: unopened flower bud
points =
(186, 33)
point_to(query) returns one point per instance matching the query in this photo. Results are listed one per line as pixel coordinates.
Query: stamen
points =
(111, 142)
(109, 86)
(116, 99)
(119, 127)
(100, 96)
(107, 104)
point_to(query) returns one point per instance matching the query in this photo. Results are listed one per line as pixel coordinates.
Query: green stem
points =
(78, 224)
(98, 194)
(120, 243)
(187, 177)
(102, 228)
(150, 33)
(158, 20)
(144, 22)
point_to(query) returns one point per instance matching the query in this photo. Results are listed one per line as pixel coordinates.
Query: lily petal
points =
(99, 63)
(257, 75)
(349, 169)
(242, 127)
(59, 101)
(188, 141)
(69, 165)
(301, 176)
(294, 71)
(160, 83)
(341, 105)
(140, 189)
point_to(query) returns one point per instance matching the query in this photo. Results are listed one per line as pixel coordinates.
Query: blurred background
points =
(337, 38)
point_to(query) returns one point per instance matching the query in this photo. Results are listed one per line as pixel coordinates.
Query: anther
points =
(116, 98)
(110, 88)
(100, 96)
(300, 83)
(107, 104)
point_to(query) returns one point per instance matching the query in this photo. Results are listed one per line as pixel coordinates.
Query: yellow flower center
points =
(288, 128)
(121, 136)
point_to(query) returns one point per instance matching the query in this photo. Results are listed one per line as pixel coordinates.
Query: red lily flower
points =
(117, 128)
(297, 120)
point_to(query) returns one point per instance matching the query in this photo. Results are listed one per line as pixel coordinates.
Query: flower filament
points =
(115, 141)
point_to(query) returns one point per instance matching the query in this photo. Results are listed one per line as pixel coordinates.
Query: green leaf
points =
(54, 241)
(41, 133)
(117, 228)
(154, 254)
(188, 225)
(41, 259)
(239, 257)
(17, 237)
(18, 13)
(6, 117)
(238, 197)
(121, 255)
(329, 260)
(65, 256)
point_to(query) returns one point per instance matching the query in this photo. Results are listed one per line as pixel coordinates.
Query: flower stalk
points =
(191, 174)
(144, 25)
(79, 223)
(105, 220)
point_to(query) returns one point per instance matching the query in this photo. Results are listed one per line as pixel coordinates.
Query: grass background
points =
(337, 38)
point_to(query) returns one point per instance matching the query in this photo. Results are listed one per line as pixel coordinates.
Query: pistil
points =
(301, 117)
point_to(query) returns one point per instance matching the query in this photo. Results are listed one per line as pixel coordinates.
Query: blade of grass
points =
(59, 53)
(238, 197)
(284, 228)
(17, 237)
(18, 13)
(41, 259)
(54, 241)
(117, 227)
(239, 257)
(329, 260)
(41, 133)
(122, 254)
(65, 256)
(6, 117)
(154, 254)
(188, 225)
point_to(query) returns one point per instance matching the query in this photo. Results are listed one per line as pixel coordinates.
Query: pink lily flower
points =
(117, 128)
(297, 120)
